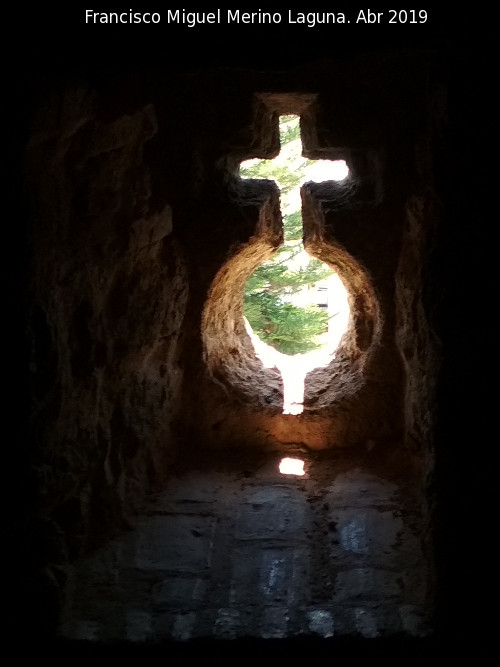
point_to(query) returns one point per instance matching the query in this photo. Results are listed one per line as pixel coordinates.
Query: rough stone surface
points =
(102, 254)
(143, 238)
(130, 238)
(226, 552)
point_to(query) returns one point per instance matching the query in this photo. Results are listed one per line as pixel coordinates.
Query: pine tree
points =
(268, 295)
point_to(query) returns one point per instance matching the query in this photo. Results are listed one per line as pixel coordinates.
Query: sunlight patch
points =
(290, 466)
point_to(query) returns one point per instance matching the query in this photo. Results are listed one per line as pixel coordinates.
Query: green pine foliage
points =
(289, 328)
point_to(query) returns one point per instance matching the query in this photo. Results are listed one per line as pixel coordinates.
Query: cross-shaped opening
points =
(296, 307)
(267, 381)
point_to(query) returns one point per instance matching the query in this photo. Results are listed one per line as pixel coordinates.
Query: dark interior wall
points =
(107, 301)
(88, 246)
(466, 407)
(131, 218)
(106, 292)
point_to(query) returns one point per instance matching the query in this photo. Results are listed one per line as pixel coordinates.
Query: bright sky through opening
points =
(289, 466)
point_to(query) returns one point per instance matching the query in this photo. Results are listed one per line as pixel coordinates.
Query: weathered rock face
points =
(142, 237)
(223, 555)
(108, 296)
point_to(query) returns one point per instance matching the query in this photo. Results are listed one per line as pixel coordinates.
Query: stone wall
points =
(107, 298)
(135, 211)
